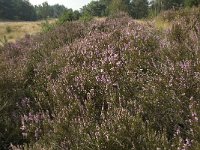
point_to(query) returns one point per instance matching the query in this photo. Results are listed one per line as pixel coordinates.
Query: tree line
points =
(161, 5)
(24, 10)
(135, 8)
(17, 10)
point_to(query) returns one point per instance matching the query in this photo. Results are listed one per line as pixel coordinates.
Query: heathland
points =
(110, 84)
(11, 31)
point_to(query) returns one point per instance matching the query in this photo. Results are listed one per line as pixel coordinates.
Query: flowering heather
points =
(112, 84)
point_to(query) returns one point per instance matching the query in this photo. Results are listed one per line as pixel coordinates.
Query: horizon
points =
(73, 4)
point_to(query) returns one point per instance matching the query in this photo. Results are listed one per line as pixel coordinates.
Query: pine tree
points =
(139, 8)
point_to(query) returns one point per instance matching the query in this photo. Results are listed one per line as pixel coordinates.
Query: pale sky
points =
(74, 4)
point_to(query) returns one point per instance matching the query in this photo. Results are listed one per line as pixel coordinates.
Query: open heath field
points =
(11, 31)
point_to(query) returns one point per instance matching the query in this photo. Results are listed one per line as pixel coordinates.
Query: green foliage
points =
(45, 11)
(156, 6)
(46, 26)
(139, 9)
(58, 10)
(23, 10)
(190, 3)
(69, 15)
(86, 17)
(8, 29)
(169, 4)
(94, 8)
(135, 8)
(119, 5)
(17, 10)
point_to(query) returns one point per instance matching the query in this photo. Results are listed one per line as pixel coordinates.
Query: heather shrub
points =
(9, 92)
(119, 14)
(19, 82)
(113, 84)
(103, 82)
(172, 15)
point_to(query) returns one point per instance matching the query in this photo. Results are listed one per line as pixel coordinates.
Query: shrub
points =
(172, 15)
(69, 15)
(8, 29)
(46, 26)
(86, 17)
(113, 84)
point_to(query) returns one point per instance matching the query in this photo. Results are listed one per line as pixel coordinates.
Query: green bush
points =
(46, 26)
(8, 29)
(86, 17)
(69, 15)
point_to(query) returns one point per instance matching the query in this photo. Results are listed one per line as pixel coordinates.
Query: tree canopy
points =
(95, 8)
(139, 8)
(17, 10)
(24, 10)
(45, 10)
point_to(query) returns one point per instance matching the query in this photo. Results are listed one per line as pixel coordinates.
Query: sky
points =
(74, 4)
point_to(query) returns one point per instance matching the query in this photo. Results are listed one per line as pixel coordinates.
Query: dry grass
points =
(13, 31)
(162, 25)
(100, 18)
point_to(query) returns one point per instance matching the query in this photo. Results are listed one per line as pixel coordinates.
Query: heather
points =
(109, 84)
